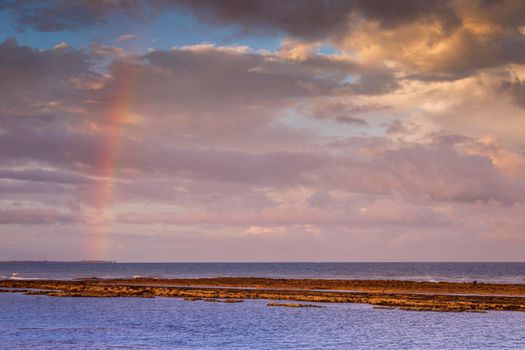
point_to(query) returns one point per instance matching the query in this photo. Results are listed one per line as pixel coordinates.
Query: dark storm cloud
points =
(303, 18)
(56, 15)
(313, 19)
(476, 34)
(471, 35)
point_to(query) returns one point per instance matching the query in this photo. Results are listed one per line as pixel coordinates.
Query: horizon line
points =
(255, 262)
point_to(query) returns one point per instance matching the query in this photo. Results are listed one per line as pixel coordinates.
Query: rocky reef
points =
(293, 305)
(404, 295)
(212, 300)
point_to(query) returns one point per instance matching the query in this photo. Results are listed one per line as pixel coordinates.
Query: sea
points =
(495, 272)
(42, 322)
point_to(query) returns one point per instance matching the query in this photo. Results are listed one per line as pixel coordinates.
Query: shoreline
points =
(405, 295)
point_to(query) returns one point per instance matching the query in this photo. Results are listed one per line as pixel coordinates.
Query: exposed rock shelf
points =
(406, 295)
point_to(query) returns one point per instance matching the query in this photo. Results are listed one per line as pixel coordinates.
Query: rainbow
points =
(118, 115)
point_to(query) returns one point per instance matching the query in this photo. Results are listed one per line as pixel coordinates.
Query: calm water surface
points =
(41, 322)
(486, 272)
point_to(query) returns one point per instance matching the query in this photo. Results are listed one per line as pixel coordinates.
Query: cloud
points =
(294, 17)
(211, 91)
(436, 171)
(56, 15)
(279, 219)
(408, 134)
(510, 162)
(341, 111)
(375, 82)
(257, 76)
(398, 212)
(39, 82)
(214, 152)
(99, 50)
(261, 230)
(22, 66)
(515, 89)
(450, 39)
(40, 175)
(36, 217)
(476, 35)
(126, 37)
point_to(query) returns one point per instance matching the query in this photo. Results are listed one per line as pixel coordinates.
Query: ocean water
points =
(41, 322)
(459, 272)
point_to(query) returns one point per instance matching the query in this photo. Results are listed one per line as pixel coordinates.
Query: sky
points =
(292, 130)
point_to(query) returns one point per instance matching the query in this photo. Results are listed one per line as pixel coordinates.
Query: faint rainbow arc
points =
(118, 115)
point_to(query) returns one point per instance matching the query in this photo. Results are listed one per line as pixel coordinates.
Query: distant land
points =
(59, 261)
